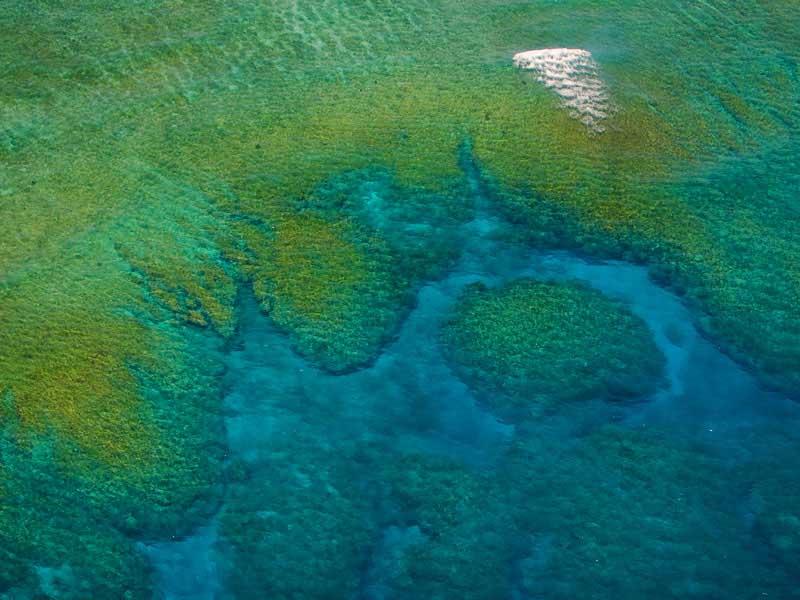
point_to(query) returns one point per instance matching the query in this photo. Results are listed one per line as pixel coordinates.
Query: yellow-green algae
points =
(322, 281)
(410, 117)
(50, 540)
(126, 403)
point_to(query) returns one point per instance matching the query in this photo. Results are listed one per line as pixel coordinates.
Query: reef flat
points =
(237, 238)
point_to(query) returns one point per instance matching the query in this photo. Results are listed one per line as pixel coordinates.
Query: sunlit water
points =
(170, 170)
(412, 400)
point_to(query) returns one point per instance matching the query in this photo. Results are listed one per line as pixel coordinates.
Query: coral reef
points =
(531, 345)
(160, 157)
(630, 514)
(301, 526)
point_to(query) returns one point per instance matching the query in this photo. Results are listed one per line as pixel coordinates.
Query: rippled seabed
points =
(329, 300)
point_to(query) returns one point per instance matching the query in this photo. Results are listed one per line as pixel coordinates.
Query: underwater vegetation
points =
(297, 530)
(467, 540)
(50, 540)
(340, 273)
(618, 514)
(162, 159)
(134, 444)
(532, 345)
(630, 514)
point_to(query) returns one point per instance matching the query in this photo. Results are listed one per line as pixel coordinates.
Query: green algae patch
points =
(466, 543)
(333, 287)
(70, 377)
(299, 94)
(337, 267)
(301, 526)
(175, 243)
(749, 201)
(119, 400)
(632, 514)
(530, 345)
(50, 542)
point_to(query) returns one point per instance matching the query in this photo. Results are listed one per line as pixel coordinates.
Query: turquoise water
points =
(340, 299)
(283, 415)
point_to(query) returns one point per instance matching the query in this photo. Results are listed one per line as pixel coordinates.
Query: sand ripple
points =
(574, 75)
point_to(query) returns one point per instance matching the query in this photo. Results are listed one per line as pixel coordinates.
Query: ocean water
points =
(343, 300)
(409, 402)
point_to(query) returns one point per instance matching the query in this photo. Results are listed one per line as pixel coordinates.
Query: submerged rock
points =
(531, 345)
(650, 515)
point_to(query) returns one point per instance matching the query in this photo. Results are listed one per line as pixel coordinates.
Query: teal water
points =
(338, 299)
(291, 429)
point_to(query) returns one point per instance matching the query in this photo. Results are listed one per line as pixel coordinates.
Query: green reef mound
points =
(340, 268)
(531, 345)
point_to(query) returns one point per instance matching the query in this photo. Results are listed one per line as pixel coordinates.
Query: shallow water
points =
(409, 402)
(413, 402)
(237, 241)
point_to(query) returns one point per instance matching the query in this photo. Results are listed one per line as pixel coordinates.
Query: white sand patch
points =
(574, 75)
